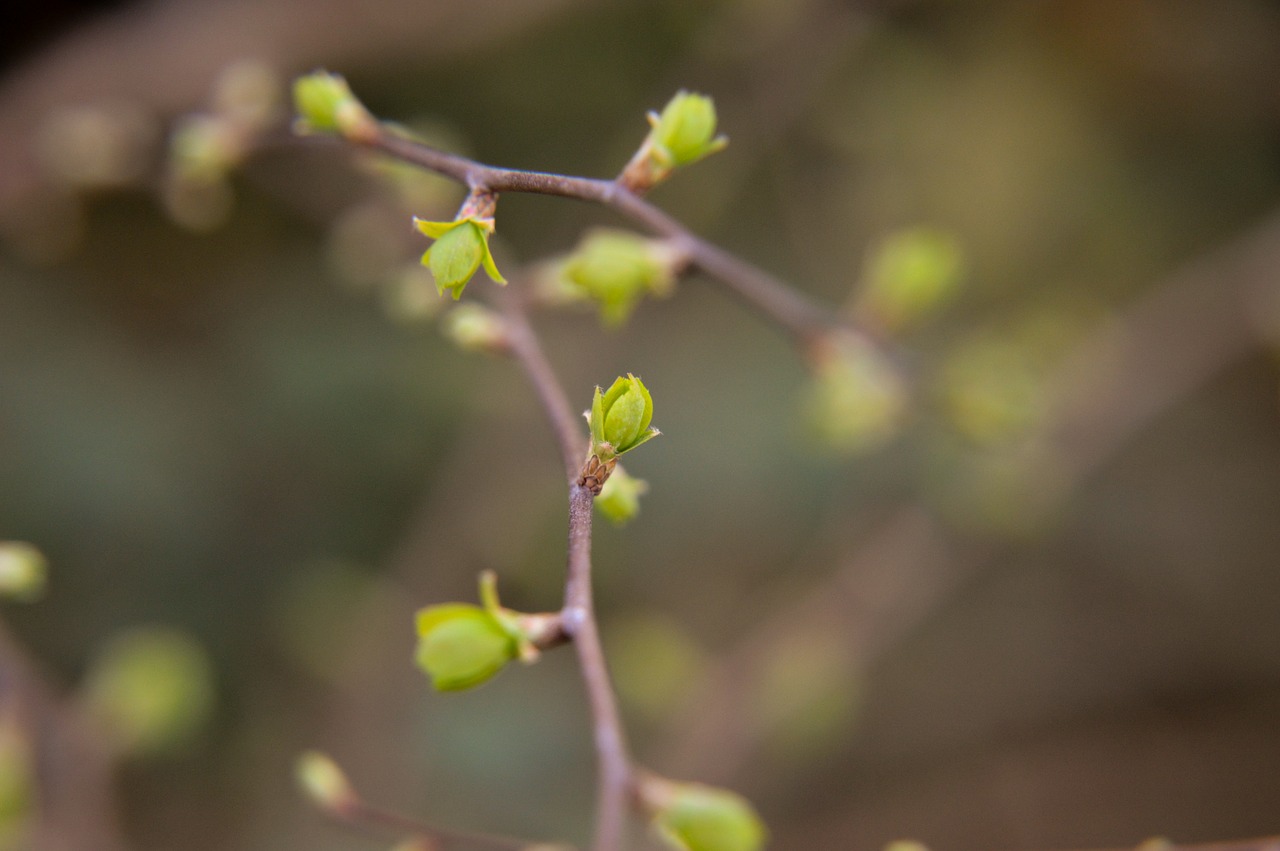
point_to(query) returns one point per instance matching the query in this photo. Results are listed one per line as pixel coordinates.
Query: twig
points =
(769, 295)
(577, 617)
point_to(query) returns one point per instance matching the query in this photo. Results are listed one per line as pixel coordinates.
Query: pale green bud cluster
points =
(460, 248)
(694, 817)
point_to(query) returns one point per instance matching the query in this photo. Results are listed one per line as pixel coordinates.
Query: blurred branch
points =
(1166, 346)
(163, 56)
(73, 771)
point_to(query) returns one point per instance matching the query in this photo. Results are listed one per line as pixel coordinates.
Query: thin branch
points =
(1267, 843)
(579, 621)
(766, 293)
(526, 350)
(358, 814)
(577, 617)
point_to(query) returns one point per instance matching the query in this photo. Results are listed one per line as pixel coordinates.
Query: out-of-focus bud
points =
(682, 134)
(616, 269)
(475, 328)
(151, 689)
(905, 845)
(460, 248)
(856, 399)
(694, 817)
(248, 93)
(323, 782)
(325, 104)
(619, 498)
(23, 571)
(909, 275)
(97, 146)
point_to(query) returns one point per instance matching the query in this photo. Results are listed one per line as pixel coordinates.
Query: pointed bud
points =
(324, 783)
(619, 499)
(325, 104)
(694, 817)
(686, 130)
(23, 571)
(460, 248)
(620, 418)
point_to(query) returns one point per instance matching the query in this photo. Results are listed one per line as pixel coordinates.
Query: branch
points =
(577, 617)
(767, 294)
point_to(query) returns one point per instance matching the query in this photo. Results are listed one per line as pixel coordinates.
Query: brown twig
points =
(577, 617)
(766, 293)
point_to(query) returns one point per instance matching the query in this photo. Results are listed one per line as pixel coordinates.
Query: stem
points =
(577, 617)
(524, 347)
(579, 621)
(767, 294)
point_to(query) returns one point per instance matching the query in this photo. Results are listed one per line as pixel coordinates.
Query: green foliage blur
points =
(963, 587)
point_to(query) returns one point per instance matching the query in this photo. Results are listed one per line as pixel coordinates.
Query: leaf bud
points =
(325, 104)
(475, 328)
(615, 269)
(909, 275)
(323, 782)
(620, 418)
(694, 817)
(151, 689)
(23, 571)
(460, 248)
(619, 498)
(856, 400)
(681, 135)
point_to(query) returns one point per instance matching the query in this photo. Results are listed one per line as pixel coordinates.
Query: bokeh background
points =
(1041, 613)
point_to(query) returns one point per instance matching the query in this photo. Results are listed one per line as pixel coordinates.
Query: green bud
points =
(460, 645)
(475, 328)
(203, 148)
(323, 782)
(909, 275)
(152, 689)
(694, 817)
(619, 499)
(461, 247)
(23, 571)
(325, 104)
(856, 399)
(686, 130)
(616, 269)
(620, 418)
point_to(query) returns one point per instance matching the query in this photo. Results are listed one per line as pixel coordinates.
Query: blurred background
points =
(1016, 589)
